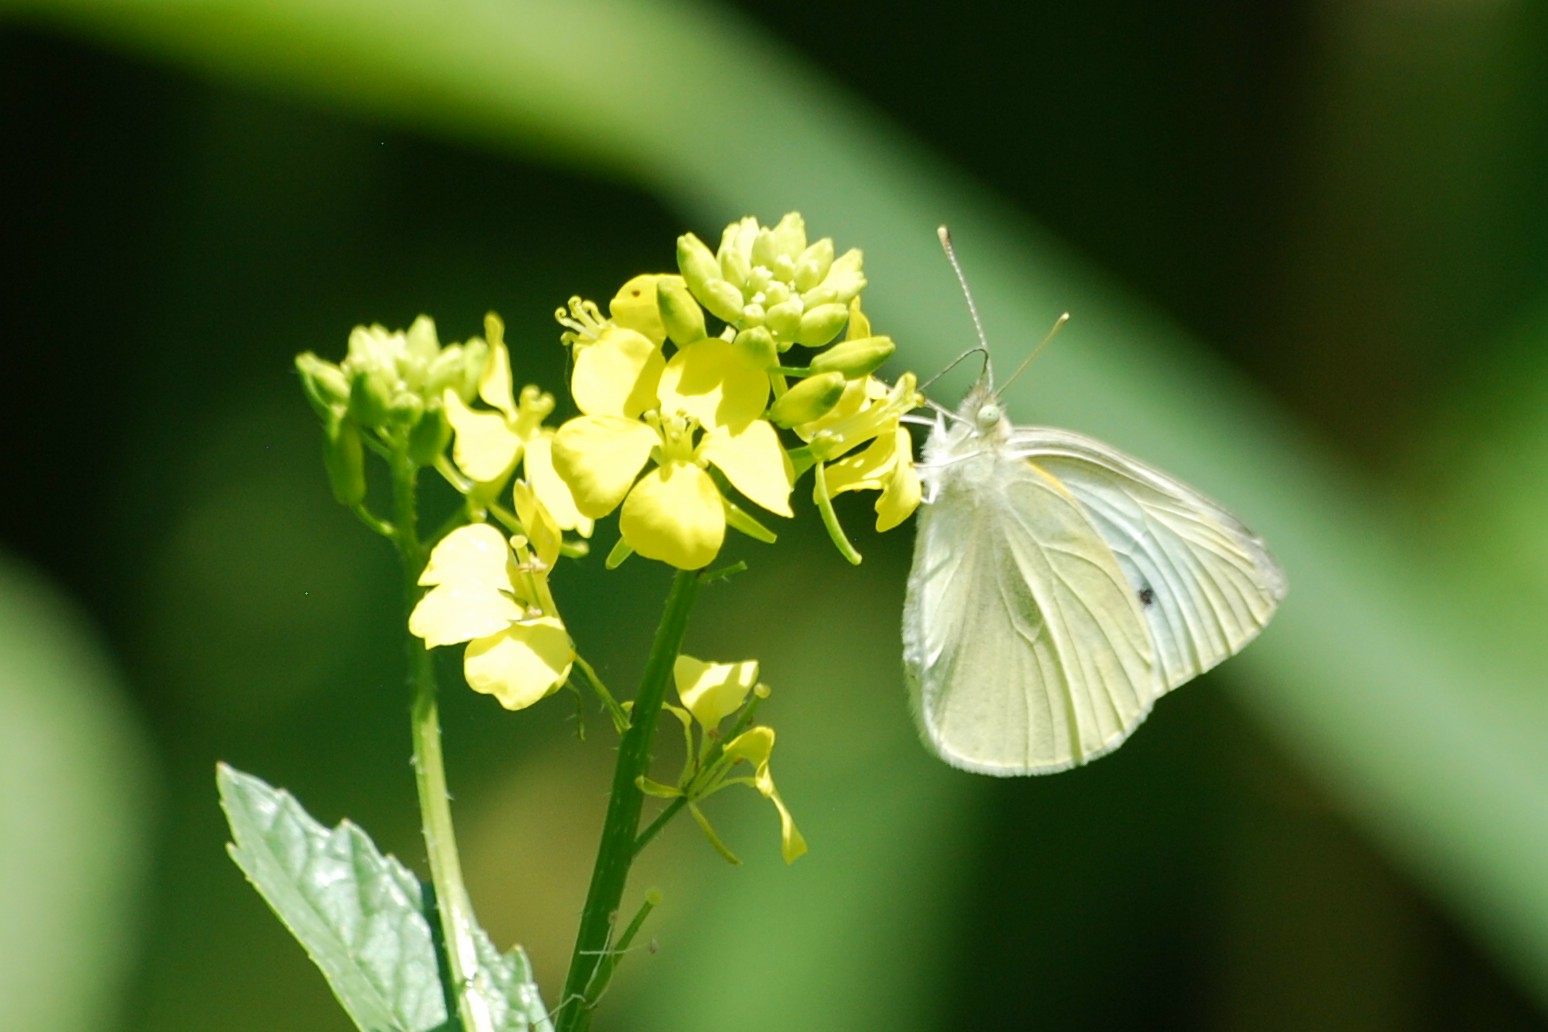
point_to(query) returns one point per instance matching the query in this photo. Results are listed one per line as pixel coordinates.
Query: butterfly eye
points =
(989, 416)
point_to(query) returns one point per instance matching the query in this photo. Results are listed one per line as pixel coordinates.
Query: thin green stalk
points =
(464, 1004)
(615, 851)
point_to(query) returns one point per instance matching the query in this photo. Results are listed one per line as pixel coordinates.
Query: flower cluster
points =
(675, 416)
(389, 389)
(703, 396)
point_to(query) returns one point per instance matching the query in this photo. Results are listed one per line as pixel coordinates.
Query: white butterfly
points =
(1059, 588)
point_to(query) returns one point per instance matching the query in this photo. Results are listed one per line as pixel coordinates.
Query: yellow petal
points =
(755, 745)
(461, 612)
(477, 554)
(495, 385)
(598, 458)
(616, 375)
(865, 470)
(485, 448)
(635, 306)
(900, 497)
(537, 466)
(522, 665)
(754, 462)
(713, 691)
(712, 381)
(675, 514)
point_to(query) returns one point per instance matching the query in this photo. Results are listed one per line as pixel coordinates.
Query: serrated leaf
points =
(361, 916)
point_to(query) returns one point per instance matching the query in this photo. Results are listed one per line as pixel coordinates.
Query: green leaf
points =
(360, 917)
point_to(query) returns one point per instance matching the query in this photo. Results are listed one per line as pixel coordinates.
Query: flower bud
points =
(811, 399)
(324, 383)
(785, 241)
(821, 324)
(845, 277)
(370, 397)
(855, 358)
(722, 299)
(758, 348)
(697, 263)
(784, 320)
(812, 267)
(680, 313)
(429, 437)
(345, 462)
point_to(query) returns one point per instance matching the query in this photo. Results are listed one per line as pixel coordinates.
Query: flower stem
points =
(464, 1004)
(615, 851)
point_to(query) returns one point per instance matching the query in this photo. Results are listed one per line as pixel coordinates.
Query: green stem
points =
(464, 1004)
(615, 851)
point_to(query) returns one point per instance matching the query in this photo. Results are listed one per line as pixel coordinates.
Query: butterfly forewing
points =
(1025, 644)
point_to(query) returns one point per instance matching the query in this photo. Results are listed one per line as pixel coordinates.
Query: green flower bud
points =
(325, 384)
(722, 299)
(406, 410)
(785, 242)
(345, 461)
(446, 370)
(697, 264)
(423, 345)
(735, 267)
(370, 397)
(843, 281)
(429, 438)
(821, 324)
(784, 319)
(855, 358)
(757, 346)
(813, 265)
(680, 313)
(812, 398)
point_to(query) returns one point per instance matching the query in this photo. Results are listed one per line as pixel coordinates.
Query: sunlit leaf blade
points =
(359, 915)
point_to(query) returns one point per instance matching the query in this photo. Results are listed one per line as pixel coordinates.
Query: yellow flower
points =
(887, 465)
(754, 745)
(699, 410)
(497, 600)
(713, 691)
(868, 413)
(489, 445)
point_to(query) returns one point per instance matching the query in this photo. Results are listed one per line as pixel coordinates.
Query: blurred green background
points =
(1304, 249)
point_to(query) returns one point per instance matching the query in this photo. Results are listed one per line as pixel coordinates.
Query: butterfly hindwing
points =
(1026, 647)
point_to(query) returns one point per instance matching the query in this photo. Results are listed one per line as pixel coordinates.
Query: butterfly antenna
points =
(978, 325)
(1057, 326)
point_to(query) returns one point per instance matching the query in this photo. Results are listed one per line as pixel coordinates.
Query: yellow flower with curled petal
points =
(886, 465)
(868, 413)
(699, 410)
(489, 445)
(711, 692)
(754, 745)
(493, 594)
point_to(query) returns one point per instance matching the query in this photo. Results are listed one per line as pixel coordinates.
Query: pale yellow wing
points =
(1025, 645)
(1206, 583)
